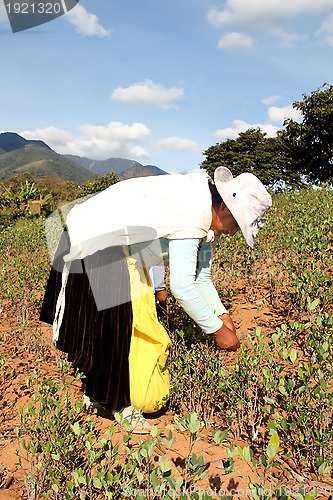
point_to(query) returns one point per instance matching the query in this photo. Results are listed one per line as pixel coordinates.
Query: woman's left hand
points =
(226, 339)
(227, 321)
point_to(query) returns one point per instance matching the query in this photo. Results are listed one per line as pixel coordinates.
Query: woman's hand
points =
(227, 321)
(226, 338)
(162, 295)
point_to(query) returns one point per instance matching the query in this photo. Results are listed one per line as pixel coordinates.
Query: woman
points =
(99, 296)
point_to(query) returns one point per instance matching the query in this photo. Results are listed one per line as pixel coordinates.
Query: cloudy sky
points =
(161, 81)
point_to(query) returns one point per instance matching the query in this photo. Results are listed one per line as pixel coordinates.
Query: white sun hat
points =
(246, 198)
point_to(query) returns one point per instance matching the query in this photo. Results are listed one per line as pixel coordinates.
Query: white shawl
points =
(141, 209)
(136, 211)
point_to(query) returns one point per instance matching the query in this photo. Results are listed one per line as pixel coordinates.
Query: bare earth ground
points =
(24, 353)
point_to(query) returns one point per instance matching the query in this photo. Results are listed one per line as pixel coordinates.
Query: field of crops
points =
(252, 424)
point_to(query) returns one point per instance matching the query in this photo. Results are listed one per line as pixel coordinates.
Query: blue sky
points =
(160, 81)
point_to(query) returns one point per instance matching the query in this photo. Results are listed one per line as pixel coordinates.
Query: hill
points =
(18, 155)
(10, 141)
(123, 167)
(138, 170)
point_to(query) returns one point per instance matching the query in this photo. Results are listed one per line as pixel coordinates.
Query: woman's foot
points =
(138, 424)
(92, 406)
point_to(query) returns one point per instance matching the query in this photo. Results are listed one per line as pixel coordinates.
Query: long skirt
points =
(96, 337)
(110, 328)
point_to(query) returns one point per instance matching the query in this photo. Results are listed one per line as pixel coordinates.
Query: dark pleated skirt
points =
(95, 335)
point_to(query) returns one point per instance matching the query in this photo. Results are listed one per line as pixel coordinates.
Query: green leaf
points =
(178, 483)
(194, 424)
(164, 464)
(293, 355)
(274, 441)
(323, 384)
(76, 428)
(271, 452)
(311, 495)
(246, 453)
(283, 390)
(97, 483)
(154, 479)
(219, 436)
(154, 431)
(55, 487)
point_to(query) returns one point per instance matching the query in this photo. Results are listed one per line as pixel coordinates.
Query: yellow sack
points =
(149, 376)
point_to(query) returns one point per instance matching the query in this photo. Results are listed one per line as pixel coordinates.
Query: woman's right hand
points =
(162, 295)
(226, 339)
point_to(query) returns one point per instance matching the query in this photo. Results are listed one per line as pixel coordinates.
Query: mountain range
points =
(19, 155)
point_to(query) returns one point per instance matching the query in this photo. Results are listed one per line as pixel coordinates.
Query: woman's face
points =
(223, 221)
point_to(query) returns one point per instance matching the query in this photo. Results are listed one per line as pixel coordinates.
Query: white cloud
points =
(85, 23)
(138, 152)
(235, 41)
(270, 16)
(270, 12)
(288, 39)
(272, 99)
(178, 144)
(97, 142)
(241, 126)
(326, 29)
(329, 40)
(279, 115)
(52, 136)
(268, 101)
(116, 131)
(275, 115)
(148, 93)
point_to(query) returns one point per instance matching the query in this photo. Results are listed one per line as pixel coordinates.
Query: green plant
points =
(249, 387)
(68, 458)
(196, 373)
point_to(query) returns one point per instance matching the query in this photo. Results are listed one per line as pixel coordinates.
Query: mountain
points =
(10, 141)
(103, 167)
(124, 168)
(18, 155)
(138, 170)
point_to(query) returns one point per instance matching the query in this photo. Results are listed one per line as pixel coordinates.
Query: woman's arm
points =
(186, 260)
(183, 262)
(204, 280)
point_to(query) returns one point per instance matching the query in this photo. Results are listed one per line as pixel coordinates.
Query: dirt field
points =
(25, 351)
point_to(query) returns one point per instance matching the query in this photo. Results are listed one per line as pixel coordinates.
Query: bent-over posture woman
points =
(99, 296)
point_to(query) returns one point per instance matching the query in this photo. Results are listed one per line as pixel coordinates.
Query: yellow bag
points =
(149, 376)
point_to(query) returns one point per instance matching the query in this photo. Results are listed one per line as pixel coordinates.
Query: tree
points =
(310, 143)
(98, 184)
(254, 152)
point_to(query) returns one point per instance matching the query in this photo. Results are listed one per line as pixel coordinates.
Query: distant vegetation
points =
(26, 196)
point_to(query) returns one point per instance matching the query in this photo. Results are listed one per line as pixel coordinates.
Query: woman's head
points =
(246, 199)
(223, 222)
